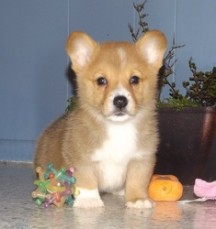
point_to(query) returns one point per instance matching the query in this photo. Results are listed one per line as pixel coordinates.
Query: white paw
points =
(146, 203)
(119, 193)
(88, 199)
(88, 203)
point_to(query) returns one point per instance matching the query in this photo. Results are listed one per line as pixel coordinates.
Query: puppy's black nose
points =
(120, 101)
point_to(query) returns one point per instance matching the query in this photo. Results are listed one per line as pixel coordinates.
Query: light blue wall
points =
(33, 84)
(195, 27)
(103, 20)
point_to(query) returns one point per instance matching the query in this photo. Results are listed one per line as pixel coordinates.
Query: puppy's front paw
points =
(88, 203)
(145, 203)
(88, 199)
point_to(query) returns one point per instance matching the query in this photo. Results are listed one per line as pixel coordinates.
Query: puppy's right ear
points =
(80, 48)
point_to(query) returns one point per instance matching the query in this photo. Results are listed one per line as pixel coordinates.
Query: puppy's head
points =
(116, 80)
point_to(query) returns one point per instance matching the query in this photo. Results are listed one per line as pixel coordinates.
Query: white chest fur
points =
(117, 150)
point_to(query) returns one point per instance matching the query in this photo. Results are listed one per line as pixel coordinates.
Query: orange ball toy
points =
(165, 188)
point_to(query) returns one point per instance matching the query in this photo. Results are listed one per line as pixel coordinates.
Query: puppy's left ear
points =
(152, 47)
(80, 48)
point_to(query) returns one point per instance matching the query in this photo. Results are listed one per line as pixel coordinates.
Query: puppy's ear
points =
(152, 47)
(80, 48)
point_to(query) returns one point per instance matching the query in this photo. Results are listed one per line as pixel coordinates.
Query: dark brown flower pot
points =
(188, 143)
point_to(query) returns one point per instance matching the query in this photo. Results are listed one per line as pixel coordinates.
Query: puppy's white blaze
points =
(113, 157)
(122, 55)
(88, 198)
(120, 90)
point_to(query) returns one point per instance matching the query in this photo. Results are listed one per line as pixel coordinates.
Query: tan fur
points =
(75, 138)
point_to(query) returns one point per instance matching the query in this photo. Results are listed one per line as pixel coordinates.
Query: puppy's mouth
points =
(119, 115)
(120, 112)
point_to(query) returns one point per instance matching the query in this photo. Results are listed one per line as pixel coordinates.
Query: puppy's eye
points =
(102, 81)
(134, 80)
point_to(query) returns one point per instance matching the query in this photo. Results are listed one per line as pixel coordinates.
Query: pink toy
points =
(205, 189)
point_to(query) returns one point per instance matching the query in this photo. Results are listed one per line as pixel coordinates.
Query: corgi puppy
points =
(111, 137)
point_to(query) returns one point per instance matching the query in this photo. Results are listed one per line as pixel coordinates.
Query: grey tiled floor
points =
(17, 210)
